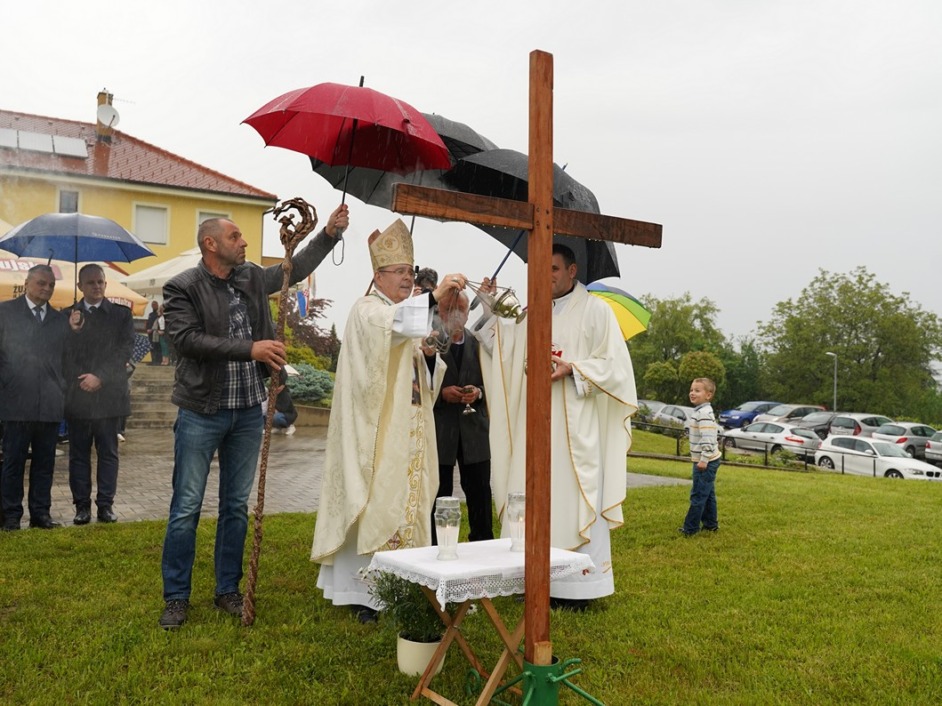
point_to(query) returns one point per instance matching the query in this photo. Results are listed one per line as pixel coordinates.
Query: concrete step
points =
(151, 408)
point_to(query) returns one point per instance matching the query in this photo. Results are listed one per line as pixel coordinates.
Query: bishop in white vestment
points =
(593, 395)
(381, 465)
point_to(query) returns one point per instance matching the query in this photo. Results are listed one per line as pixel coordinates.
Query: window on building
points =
(151, 223)
(68, 201)
(205, 216)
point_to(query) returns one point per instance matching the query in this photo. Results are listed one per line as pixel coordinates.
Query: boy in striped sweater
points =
(705, 453)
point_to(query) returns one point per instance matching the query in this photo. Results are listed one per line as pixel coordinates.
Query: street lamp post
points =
(834, 356)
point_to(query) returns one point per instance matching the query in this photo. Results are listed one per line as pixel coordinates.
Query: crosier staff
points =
(291, 236)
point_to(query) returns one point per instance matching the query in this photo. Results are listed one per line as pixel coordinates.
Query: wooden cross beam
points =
(541, 219)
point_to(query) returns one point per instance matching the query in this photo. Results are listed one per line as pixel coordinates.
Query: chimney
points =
(105, 129)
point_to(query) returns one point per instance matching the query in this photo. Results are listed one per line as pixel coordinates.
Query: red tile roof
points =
(125, 159)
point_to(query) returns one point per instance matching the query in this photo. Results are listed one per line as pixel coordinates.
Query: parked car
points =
(672, 415)
(867, 457)
(788, 413)
(912, 437)
(648, 408)
(818, 422)
(934, 448)
(760, 436)
(857, 424)
(744, 413)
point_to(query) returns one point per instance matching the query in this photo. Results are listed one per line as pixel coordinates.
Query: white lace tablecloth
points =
(482, 569)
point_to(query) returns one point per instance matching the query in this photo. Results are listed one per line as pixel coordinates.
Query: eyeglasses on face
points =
(400, 272)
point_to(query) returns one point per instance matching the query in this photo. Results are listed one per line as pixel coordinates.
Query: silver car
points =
(673, 415)
(774, 437)
(648, 408)
(857, 424)
(934, 448)
(788, 413)
(912, 437)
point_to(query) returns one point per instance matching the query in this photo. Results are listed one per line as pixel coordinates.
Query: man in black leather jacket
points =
(219, 322)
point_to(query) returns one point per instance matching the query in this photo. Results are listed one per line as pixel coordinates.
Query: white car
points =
(771, 436)
(867, 457)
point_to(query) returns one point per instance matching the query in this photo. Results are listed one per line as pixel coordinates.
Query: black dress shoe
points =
(10, 525)
(43, 522)
(365, 614)
(574, 605)
(83, 515)
(106, 514)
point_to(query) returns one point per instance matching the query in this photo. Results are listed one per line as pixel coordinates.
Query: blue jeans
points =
(702, 499)
(236, 433)
(279, 421)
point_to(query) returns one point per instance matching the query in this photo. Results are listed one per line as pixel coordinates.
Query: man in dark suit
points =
(32, 336)
(97, 396)
(462, 434)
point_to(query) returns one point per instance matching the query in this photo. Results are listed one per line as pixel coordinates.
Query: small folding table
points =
(482, 571)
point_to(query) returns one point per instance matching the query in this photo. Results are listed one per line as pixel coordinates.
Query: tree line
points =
(886, 347)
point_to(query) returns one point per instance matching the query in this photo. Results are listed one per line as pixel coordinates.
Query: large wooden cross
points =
(541, 219)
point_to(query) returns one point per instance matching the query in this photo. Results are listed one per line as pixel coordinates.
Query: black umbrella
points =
(504, 173)
(462, 141)
(374, 186)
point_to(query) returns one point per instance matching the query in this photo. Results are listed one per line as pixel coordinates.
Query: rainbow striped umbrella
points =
(632, 317)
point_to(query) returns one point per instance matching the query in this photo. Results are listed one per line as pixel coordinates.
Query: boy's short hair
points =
(708, 384)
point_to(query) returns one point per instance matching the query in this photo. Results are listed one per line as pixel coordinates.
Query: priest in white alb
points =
(381, 465)
(593, 395)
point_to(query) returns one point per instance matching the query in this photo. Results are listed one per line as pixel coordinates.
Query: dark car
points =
(818, 422)
(744, 413)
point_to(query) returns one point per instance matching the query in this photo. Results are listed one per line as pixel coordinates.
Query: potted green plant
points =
(406, 609)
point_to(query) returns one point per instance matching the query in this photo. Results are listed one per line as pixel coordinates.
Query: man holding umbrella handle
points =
(97, 396)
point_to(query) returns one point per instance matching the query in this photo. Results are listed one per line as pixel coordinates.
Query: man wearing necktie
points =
(32, 336)
(97, 396)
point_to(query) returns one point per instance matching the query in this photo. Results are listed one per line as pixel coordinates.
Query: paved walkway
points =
(292, 482)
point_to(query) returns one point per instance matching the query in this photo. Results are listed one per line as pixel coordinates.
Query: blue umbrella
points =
(74, 237)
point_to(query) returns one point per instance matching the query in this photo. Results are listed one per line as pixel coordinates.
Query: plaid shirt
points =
(243, 386)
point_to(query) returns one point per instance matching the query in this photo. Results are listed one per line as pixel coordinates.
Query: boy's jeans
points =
(702, 499)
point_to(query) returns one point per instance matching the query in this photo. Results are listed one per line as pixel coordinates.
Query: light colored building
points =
(56, 165)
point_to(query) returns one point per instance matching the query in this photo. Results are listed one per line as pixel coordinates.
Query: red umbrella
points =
(353, 126)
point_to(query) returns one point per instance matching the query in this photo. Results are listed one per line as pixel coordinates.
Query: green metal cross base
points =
(541, 683)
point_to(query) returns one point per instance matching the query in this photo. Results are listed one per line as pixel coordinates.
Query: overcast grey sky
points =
(770, 139)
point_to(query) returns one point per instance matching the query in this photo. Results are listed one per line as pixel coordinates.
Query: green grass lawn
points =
(818, 589)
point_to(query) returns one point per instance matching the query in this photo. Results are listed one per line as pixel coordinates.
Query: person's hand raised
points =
(450, 286)
(338, 222)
